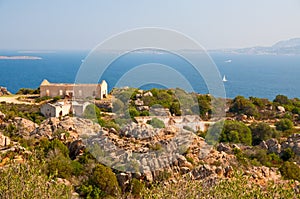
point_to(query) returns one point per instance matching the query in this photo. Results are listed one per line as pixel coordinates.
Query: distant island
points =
(20, 57)
(286, 47)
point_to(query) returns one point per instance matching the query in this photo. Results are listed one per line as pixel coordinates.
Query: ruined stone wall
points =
(77, 91)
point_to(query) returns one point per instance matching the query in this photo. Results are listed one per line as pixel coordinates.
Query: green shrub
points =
(26, 91)
(242, 105)
(261, 131)
(284, 124)
(289, 170)
(55, 145)
(41, 99)
(89, 192)
(287, 154)
(103, 178)
(237, 187)
(156, 123)
(175, 109)
(236, 132)
(27, 180)
(136, 187)
(282, 99)
(59, 165)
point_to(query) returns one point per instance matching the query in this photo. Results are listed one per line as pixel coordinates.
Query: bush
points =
(290, 170)
(236, 132)
(156, 123)
(261, 131)
(59, 165)
(287, 154)
(26, 91)
(41, 99)
(241, 105)
(175, 109)
(90, 191)
(136, 187)
(282, 99)
(284, 124)
(103, 178)
(28, 181)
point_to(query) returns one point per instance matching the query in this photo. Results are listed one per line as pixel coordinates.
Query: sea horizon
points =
(263, 76)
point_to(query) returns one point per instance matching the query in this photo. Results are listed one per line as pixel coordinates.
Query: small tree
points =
(103, 178)
(236, 132)
(282, 99)
(284, 124)
(261, 131)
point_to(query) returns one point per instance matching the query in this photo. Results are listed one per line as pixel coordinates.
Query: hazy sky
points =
(82, 24)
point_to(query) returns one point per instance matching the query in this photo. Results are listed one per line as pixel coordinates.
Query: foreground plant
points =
(27, 180)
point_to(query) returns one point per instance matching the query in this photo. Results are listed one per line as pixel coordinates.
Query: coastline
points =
(20, 58)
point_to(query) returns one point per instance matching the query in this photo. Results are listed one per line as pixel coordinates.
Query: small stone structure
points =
(79, 91)
(58, 109)
(78, 108)
(64, 108)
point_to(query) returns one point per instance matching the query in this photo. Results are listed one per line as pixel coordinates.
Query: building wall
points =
(50, 110)
(79, 109)
(74, 90)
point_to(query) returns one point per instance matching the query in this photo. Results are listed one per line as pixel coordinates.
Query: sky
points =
(82, 24)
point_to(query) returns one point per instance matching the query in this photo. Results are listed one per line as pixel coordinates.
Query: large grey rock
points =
(273, 146)
(25, 127)
(77, 128)
(292, 142)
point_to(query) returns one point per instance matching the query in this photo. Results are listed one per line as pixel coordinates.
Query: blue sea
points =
(263, 76)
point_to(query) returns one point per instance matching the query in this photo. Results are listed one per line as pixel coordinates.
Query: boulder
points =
(25, 127)
(148, 176)
(292, 142)
(263, 145)
(76, 148)
(4, 140)
(273, 146)
(281, 109)
(223, 147)
(202, 172)
(4, 91)
(76, 127)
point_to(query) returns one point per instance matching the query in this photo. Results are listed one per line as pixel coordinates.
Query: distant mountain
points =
(287, 47)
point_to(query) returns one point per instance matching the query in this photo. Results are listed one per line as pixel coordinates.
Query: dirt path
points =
(13, 99)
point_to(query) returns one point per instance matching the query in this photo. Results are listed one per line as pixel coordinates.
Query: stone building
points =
(56, 110)
(77, 91)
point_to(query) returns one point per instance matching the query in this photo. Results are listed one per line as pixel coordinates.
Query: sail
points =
(224, 79)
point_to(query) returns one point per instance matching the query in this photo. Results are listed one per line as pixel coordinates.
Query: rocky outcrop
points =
(4, 140)
(4, 91)
(272, 145)
(24, 126)
(293, 142)
(76, 148)
(75, 128)
(281, 109)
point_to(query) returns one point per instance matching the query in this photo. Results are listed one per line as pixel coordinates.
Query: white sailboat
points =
(224, 79)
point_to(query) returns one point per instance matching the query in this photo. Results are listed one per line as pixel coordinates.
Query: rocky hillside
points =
(137, 153)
